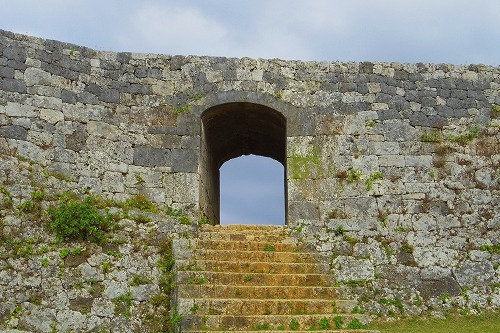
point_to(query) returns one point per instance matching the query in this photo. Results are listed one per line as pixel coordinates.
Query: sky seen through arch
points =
(252, 191)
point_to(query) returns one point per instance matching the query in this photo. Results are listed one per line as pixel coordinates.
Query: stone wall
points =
(392, 169)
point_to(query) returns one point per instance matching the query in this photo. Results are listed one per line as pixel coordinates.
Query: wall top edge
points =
(89, 52)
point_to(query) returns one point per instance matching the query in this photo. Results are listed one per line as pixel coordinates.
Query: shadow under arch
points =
(231, 130)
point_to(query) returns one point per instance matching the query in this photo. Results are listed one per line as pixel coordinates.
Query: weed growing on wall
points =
(495, 111)
(123, 303)
(80, 220)
(164, 318)
(373, 177)
(470, 134)
(7, 201)
(302, 166)
(139, 202)
(354, 176)
(431, 137)
(183, 106)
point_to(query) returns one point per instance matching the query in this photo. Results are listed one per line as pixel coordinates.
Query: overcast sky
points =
(437, 31)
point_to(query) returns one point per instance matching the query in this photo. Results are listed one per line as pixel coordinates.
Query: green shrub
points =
(80, 220)
(355, 324)
(338, 321)
(269, 248)
(294, 324)
(324, 324)
(139, 202)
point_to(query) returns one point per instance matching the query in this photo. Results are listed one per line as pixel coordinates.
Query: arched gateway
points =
(231, 130)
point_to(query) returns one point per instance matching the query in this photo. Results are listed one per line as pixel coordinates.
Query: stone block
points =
(435, 256)
(41, 139)
(29, 150)
(143, 293)
(391, 161)
(399, 130)
(438, 287)
(421, 238)
(360, 206)
(388, 114)
(14, 132)
(184, 160)
(113, 182)
(103, 130)
(77, 140)
(92, 184)
(306, 210)
(351, 269)
(155, 194)
(109, 95)
(103, 307)
(424, 222)
(163, 88)
(60, 168)
(14, 52)
(366, 164)
(148, 156)
(36, 76)
(434, 121)
(38, 319)
(13, 85)
(419, 161)
(118, 167)
(470, 274)
(51, 116)
(185, 187)
(384, 148)
(87, 98)
(47, 102)
(399, 274)
(6, 72)
(68, 96)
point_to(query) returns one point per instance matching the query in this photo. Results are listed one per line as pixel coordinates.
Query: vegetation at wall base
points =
(488, 322)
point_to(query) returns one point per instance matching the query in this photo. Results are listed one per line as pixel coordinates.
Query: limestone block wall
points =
(392, 169)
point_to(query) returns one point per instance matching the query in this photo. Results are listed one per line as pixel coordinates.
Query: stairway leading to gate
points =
(255, 278)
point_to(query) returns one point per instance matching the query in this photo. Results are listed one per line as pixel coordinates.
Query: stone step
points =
(250, 267)
(285, 331)
(242, 228)
(245, 233)
(256, 292)
(255, 256)
(252, 279)
(264, 307)
(259, 322)
(255, 278)
(232, 245)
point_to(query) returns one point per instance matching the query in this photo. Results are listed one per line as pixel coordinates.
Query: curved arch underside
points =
(237, 129)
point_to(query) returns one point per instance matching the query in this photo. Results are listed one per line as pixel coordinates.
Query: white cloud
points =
(173, 29)
(455, 31)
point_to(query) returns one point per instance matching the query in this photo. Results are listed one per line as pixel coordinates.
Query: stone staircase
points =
(254, 278)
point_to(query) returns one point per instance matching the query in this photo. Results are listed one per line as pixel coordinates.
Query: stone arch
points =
(230, 130)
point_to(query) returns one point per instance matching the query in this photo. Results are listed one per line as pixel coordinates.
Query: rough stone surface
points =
(391, 171)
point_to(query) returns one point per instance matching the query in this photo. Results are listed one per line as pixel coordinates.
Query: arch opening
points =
(232, 130)
(251, 191)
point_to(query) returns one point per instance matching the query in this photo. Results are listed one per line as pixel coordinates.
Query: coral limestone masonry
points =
(391, 174)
